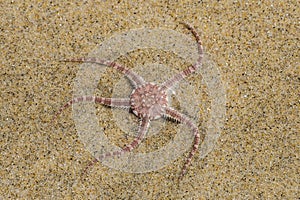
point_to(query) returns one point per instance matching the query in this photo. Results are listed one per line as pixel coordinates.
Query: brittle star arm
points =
(191, 69)
(172, 113)
(143, 128)
(135, 79)
(111, 102)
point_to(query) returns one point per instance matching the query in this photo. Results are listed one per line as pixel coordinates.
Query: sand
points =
(255, 47)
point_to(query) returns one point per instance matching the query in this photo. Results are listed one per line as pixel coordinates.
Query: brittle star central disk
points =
(149, 99)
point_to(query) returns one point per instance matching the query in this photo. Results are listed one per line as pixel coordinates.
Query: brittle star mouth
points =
(149, 100)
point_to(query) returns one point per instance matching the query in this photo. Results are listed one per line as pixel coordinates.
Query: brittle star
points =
(148, 101)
